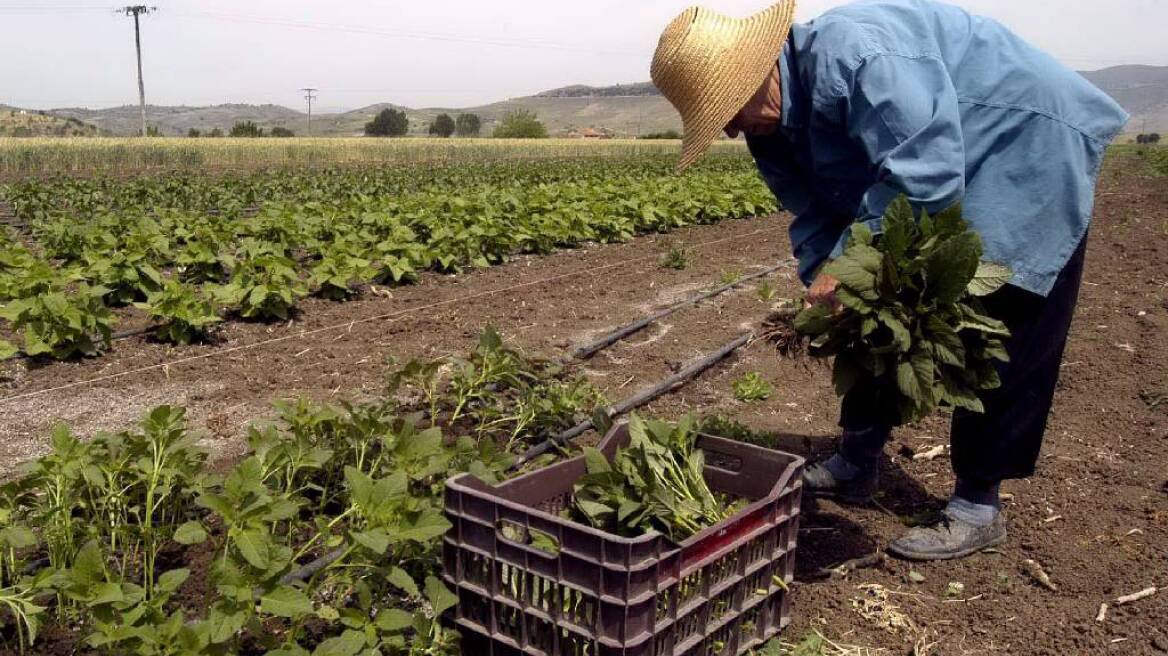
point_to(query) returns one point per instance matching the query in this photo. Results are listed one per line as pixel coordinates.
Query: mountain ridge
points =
(628, 109)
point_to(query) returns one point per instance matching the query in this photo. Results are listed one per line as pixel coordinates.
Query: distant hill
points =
(581, 91)
(176, 121)
(1141, 90)
(625, 109)
(16, 122)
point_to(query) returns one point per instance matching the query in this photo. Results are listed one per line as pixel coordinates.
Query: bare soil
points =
(1095, 516)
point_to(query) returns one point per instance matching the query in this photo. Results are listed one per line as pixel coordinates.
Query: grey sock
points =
(977, 514)
(841, 469)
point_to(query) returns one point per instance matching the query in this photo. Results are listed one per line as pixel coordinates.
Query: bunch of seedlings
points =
(656, 483)
(909, 321)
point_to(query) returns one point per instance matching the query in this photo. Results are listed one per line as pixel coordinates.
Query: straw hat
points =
(709, 65)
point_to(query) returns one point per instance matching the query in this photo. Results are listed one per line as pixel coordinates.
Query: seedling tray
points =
(532, 582)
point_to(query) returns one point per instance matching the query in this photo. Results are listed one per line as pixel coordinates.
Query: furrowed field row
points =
(183, 249)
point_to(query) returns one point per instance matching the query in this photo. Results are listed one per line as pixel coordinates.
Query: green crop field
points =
(133, 539)
(191, 250)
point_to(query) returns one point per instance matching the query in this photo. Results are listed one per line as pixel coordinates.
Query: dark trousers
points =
(1003, 442)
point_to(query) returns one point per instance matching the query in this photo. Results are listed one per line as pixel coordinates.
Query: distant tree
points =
(1152, 138)
(246, 129)
(153, 131)
(282, 132)
(388, 123)
(21, 131)
(215, 133)
(442, 125)
(468, 125)
(666, 134)
(520, 124)
(193, 133)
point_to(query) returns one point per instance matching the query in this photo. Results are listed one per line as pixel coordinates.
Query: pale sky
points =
(452, 53)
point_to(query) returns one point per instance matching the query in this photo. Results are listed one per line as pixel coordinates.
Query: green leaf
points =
(814, 320)
(286, 601)
(946, 343)
(989, 278)
(845, 374)
(106, 593)
(439, 596)
(394, 620)
(191, 532)
(255, 547)
(595, 462)
(399, 579)
(349, 643)
(857, 269)
(170, 580)
(428, 525)
(18, 537)
(7, 349)
(376, 541)
(951, 266)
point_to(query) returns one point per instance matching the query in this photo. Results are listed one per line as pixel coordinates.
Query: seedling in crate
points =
(655, 483)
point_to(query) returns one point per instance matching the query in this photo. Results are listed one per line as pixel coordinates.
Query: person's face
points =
(760, 116)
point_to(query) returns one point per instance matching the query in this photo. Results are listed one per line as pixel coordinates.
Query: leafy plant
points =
(729, 277)
(766, 291)
(182, 314)
(910, 319)
(655, 483)
(264, 287)
(676, 258)
(752, 387)
(127, 274)
(62, 323)
(336, 272)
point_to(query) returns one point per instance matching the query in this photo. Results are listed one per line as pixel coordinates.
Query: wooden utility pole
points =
(136, 11)
(308, 95)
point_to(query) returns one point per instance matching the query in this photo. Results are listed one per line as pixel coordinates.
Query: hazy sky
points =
(56, 53)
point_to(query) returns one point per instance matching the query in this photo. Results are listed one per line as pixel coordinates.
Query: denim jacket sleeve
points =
(902, 112)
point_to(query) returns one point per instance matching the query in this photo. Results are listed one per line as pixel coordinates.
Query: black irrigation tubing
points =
(683, 375)
(689, 372)
(125, 334)
(590, 349)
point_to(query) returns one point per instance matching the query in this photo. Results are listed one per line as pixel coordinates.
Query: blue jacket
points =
(883, 97)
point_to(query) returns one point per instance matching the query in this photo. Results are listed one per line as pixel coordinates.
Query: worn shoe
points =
(820, 483)
(947, 539)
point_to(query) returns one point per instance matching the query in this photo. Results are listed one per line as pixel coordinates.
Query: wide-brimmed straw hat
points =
(709, 65)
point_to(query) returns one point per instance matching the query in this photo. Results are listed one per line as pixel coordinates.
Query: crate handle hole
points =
(539, 541)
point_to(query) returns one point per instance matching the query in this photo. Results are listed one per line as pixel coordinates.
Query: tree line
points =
(518, 124)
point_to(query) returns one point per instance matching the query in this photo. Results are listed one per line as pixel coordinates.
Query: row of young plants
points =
(187, 268)
(134, 543)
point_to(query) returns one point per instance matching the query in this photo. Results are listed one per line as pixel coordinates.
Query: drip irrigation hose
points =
(690, 371)
(590, 349)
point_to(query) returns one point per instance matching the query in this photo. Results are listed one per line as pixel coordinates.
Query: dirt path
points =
(1095, 517)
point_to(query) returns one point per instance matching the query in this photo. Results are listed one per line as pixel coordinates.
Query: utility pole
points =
(308, 95)
(136, 11)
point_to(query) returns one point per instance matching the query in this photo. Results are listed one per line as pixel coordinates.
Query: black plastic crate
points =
(597, 594)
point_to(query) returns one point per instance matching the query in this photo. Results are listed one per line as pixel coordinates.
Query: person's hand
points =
(822, 291)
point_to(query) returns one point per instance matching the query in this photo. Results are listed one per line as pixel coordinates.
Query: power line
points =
(136, 11)
(309, 96)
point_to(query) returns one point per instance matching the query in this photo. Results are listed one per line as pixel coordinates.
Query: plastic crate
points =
(600, 594)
